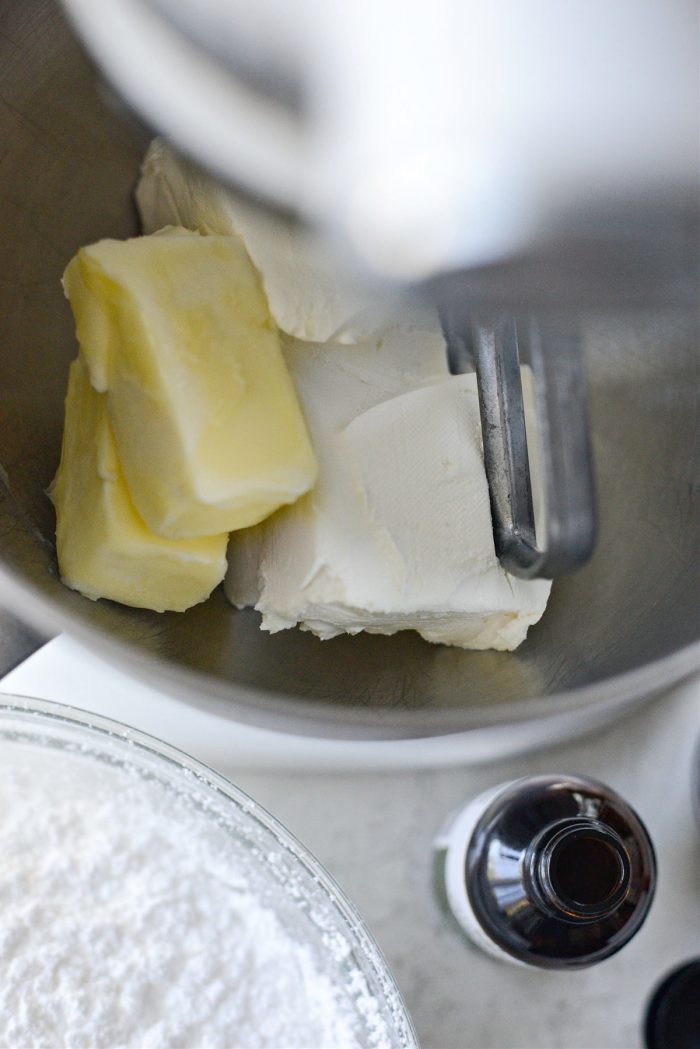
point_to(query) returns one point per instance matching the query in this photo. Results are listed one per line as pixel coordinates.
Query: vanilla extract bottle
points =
(556, 872)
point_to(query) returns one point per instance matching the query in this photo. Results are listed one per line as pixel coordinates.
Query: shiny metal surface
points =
(626, 625)
(18, 641)
(551, 346)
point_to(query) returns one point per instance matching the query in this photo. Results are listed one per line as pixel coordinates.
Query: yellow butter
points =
(104, 548)
(176, 330)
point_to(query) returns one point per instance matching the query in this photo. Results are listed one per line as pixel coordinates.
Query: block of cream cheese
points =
(337, 382)
(104, 548)
(175, 329)
(311, 295)
(397, 533)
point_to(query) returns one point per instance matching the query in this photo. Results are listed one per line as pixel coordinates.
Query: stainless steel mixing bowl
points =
(623, 627)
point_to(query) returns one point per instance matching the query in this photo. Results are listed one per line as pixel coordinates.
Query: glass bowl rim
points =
(48, 712)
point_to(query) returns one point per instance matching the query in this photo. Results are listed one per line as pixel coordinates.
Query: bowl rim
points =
(282, 713)
(47, 712)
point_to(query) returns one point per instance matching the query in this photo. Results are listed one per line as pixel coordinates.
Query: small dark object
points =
(673, 1015)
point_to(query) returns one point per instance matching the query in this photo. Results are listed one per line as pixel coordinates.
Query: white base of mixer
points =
(65, 672)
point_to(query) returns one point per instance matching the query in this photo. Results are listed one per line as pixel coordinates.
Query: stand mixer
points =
(528, 169)
(500, 161)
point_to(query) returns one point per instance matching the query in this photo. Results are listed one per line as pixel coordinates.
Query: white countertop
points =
(373, 832)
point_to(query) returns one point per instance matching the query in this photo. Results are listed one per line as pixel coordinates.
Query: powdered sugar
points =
(130, 919)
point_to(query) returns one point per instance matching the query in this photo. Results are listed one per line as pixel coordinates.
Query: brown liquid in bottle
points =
(558, 872)
(587, 872)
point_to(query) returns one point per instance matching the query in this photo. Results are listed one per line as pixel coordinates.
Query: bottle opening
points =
(586, 870)
(583, 870)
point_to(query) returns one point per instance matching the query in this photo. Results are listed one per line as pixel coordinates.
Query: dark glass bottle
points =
(552, 871)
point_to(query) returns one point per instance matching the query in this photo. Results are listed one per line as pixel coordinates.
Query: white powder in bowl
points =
(127, 920)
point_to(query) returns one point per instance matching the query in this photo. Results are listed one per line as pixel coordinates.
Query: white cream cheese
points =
(397, 532)
(311, 295)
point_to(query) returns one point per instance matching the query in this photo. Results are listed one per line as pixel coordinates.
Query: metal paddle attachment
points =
(496, 347)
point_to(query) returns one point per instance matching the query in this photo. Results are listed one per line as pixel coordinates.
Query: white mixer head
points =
(426, 135)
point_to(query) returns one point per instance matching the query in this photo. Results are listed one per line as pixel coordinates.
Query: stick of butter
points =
(104, 548)
(176, 330)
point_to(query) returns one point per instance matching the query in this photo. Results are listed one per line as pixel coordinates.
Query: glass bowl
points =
(280, 872)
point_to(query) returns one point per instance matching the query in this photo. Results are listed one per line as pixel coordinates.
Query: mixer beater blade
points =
(495, 346)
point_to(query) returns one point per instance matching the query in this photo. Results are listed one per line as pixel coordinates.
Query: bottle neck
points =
(578, 869)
